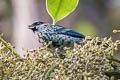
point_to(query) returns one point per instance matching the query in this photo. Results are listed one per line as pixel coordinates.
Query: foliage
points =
(91, 60)
(58, 9)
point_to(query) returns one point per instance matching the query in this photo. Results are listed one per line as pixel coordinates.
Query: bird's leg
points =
(60, 52)
(52, 48)
(55, 51)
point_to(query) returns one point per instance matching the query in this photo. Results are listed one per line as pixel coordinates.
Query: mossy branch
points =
(9, 47)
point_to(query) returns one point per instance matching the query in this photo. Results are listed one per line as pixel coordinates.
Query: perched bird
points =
(59, 35)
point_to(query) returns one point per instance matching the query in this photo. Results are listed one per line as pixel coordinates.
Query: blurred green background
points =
(91, 18)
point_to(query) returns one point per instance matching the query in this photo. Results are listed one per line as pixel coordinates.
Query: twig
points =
(49, 71)
(113, 59)
(30, 72)
(9, 47)
(116, 74)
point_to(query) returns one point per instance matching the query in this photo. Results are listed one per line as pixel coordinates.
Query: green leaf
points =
(58, 9)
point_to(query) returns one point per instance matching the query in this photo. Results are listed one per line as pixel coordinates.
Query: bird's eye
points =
(37, 23)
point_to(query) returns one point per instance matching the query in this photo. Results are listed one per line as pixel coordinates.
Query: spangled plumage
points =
(57, 34)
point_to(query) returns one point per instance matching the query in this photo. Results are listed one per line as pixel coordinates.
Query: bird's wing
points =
(70, 32)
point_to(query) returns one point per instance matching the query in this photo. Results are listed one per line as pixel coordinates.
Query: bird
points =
(58, 35)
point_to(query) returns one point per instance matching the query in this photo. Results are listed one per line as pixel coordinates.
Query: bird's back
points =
(58, 35)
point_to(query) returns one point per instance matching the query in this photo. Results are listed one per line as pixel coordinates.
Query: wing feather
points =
(70, 32)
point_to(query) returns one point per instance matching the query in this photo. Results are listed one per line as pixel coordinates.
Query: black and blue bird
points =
(58, 35)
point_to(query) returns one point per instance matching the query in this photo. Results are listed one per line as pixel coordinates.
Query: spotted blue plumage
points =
(57, 34)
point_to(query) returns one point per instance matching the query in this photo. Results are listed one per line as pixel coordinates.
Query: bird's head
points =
(35, 25)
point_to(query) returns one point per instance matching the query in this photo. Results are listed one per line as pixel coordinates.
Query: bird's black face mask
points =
(33, 26)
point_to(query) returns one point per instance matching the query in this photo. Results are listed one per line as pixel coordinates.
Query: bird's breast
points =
(39, 36)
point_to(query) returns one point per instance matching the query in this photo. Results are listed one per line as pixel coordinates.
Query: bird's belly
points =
(63, 40)
(58, 39)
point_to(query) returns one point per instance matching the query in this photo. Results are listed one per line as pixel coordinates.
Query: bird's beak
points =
(30, 26)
